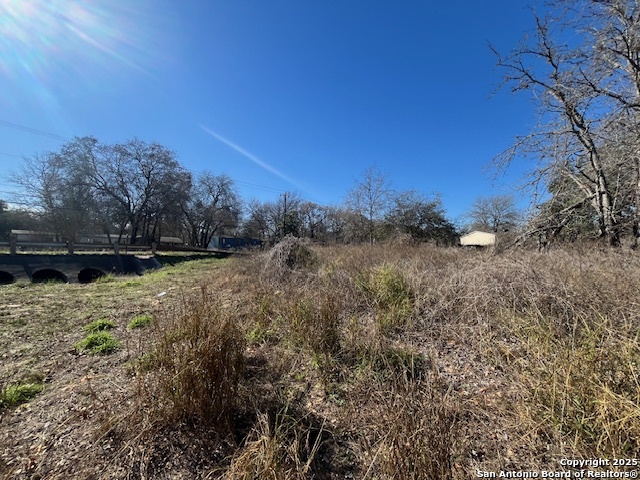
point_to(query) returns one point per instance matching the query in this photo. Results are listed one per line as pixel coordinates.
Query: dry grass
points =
(403, 361)
(414, 436)
(281, 447)
(196, 365)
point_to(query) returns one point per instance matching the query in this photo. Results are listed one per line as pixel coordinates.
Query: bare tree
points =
(212, 206)
(133, 185)
(369, 200)
(257, 224)
(567, 83)
(495, 214)
(312, 220)
(52, 186)
(616, 41)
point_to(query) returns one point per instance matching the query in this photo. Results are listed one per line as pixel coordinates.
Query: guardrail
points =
(15, 247)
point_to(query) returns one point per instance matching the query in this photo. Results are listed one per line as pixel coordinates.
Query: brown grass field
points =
(346, 362)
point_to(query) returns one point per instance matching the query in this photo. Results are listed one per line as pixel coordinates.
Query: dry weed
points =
(413, 434)
(288, 255)
(432, 361)
(197, 364)
(279, 447)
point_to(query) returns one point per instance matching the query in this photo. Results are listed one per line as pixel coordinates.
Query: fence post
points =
(154, 248)
(116, 248)
(70, 248)
(13, 244)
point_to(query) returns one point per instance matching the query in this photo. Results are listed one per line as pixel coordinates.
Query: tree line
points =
(140, 190)
(135, 188)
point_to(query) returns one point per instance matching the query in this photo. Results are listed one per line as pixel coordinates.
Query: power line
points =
(33, 131)
(264, 187)
(11, 155)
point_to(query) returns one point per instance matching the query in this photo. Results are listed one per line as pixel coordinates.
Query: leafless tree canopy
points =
(582, 67)
(494, 214)
(212, 207)
(369, 199)
(133, 187)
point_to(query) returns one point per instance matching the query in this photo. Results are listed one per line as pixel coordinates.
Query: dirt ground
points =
(56, 435)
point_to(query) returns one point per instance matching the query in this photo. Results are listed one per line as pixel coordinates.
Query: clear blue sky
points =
(282, 95)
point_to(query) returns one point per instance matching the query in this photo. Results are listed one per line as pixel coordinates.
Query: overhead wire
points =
(11, 155)
(31, 130)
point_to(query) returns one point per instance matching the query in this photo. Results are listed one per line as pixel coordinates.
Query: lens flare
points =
(47, 46)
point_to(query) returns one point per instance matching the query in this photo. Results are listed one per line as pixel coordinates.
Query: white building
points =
(478, 239)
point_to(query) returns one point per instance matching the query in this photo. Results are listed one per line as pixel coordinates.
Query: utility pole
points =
(284, 217)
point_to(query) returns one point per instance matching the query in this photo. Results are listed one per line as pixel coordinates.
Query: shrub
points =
(390, 295)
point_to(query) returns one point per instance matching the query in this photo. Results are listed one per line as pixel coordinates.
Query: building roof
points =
(171, 240)
(30, 232)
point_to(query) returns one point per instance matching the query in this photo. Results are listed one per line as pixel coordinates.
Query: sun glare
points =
(46, 44)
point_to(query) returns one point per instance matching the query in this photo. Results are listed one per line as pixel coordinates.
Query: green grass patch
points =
(140, 321)
(99, 343)
(108, 278)
(100, 325)
(17, 394)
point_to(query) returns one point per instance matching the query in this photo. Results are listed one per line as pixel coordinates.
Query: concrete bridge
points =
(70, 268)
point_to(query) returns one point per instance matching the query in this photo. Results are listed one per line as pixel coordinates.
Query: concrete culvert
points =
(89, 275)
(6, 278)
(48, 275)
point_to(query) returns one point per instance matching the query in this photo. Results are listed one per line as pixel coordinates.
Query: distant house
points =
(227, 243)
(102, 238)
(34, 236)
(174, 241)
(478, 239)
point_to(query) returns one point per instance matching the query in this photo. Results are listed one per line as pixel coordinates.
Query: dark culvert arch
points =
(48, 275)
(6, 278)
(88, 275)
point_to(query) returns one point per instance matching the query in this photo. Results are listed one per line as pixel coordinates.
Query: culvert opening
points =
(6, 278)
(48, 275)
(89, 275)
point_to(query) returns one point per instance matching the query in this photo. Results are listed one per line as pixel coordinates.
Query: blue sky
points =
(282, 95)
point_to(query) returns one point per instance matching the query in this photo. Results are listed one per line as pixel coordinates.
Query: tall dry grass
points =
(413, 361)
(197, 363)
